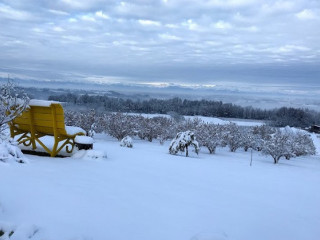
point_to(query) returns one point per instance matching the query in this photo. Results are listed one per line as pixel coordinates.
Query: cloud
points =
(80, 5)
(58, 29)
(166, 36)
(191, 25)
(129, 36)
(88, 17)
(11, 13)
(222, 25)
(291, 48)
(306, 14)
(100, 14)
(146, 22)
(278, 6)
(72, 20)
(58, 12)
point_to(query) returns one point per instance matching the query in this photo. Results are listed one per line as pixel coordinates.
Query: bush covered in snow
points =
(126, 142)
(9, 152)
(182, 141)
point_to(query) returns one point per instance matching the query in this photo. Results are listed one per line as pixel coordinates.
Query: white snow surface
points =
(240, 122)
(147, 194)
(316, 142)
(213, 120)
(84, 139)
(71, 130)
(41, 103)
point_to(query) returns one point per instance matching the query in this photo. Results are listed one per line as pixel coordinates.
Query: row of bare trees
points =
(285, 142)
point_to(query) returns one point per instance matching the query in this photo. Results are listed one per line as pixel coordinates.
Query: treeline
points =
(278, 117)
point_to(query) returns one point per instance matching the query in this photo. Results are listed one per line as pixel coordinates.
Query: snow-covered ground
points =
(144, 193)
(316, 142)
(213, 120)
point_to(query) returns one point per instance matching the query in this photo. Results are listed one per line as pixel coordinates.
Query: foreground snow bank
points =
(147, 194)
(90, 154)
(21, 232)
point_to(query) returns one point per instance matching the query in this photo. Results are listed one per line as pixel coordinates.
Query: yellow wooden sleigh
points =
(44, 118)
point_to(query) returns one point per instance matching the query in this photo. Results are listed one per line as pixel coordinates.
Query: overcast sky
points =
(155, 42)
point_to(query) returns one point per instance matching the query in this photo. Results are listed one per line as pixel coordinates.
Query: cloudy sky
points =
(161, 42)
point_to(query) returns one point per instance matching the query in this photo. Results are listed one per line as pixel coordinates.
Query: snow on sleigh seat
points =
(44, 118)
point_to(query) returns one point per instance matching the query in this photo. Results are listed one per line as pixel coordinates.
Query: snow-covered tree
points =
(182, 141)
(84, 119)
(304, 145)
(277, 146)
(126, 142)
(12, 103)
(299, 143)
(233, 137)
(189, 125)
(149, 129)
(261, 134)
(167, 128)
(287, 142)
(119, 125)
(248, 138)
(210, 136)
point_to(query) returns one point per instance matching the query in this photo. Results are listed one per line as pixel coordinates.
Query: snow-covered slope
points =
(144, 193)
(316, 142)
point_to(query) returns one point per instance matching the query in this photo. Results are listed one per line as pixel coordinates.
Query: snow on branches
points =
(182, 141)
(210, 136)
(288, 143)
(12, 104)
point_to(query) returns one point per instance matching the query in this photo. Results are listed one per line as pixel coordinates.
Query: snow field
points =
(213, 120)
(145, 193)
(316, 142)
